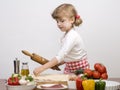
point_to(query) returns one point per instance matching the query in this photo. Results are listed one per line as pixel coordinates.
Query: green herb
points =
(30, 78)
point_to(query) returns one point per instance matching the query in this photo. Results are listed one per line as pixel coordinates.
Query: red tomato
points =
(96, 74)
(97, 66)
(13, 81)
(10, 81)
(100, 68)
(89, 72)
(104, 76)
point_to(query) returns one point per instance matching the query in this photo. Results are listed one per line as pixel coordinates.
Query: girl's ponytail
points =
(78, 20)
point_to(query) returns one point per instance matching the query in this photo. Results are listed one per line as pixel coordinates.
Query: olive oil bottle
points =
(25, 69)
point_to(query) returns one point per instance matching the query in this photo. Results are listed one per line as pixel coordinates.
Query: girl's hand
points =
(49, 64)
(37, 71)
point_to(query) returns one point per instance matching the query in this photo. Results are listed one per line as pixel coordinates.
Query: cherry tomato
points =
(104, 76)
(89, 72)
(96, 74)
(100, 68)
(97, 66)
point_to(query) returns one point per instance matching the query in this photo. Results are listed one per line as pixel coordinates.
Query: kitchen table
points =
(3, 82)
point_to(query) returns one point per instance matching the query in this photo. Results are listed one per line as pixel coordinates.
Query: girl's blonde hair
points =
(67, 10)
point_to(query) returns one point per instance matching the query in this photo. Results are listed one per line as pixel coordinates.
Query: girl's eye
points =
(62, 20)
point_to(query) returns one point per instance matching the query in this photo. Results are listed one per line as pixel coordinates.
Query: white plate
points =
(110, 85)
(20, 87)
(48, 85)
(72, 84)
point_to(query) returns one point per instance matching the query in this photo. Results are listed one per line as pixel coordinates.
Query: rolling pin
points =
(39, 59)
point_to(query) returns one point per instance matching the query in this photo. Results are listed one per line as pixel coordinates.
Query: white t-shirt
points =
(72, 48)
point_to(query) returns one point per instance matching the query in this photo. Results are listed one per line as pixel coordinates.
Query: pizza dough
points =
(52, 77)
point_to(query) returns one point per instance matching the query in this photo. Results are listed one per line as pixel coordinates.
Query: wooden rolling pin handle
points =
(27, 53)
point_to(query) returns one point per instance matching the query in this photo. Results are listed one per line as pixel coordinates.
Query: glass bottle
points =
(25, 69)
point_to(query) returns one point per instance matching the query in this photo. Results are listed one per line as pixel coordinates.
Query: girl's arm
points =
(61, 63)
(50, 64)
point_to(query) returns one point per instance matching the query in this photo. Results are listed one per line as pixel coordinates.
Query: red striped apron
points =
(71, 67)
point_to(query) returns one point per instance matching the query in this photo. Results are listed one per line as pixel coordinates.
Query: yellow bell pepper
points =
(88, 84)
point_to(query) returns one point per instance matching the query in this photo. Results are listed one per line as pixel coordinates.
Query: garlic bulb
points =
(22, 81)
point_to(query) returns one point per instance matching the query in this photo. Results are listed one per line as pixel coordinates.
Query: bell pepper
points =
(13, 81)
(79, 83)
(100, 85)
(88, 84)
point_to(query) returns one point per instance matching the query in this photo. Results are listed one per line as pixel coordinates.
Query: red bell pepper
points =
(13, 81)
(79, 83)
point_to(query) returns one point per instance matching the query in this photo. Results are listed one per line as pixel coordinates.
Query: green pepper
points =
(100, 85)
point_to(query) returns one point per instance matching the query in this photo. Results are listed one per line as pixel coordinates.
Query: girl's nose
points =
(58, 23)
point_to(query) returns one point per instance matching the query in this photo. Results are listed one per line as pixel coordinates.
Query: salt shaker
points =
(16, 66)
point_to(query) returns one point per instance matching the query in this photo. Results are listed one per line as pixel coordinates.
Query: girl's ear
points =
(72, 20)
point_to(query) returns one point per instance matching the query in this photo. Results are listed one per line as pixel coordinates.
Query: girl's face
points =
(64, 24)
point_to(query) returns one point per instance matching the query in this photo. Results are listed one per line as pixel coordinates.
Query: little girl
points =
(72, 52)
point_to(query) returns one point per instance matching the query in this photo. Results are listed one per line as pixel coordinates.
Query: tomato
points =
(96, 74)
(100, 68)
(89, 72)
(13, 81)
(10, 81)
(97, 66)
(104, 76)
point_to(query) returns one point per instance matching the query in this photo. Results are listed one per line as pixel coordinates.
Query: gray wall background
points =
(28, 25)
